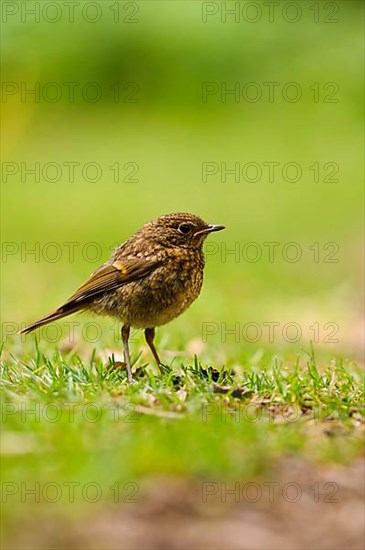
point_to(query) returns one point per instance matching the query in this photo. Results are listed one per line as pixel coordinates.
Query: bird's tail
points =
(53, 316)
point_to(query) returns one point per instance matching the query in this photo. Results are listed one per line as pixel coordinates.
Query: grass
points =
(78, 438)
(67, 420)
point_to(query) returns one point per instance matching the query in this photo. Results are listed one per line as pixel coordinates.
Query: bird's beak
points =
(210, 229)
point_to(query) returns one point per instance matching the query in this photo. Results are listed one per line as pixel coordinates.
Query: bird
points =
(149, 280)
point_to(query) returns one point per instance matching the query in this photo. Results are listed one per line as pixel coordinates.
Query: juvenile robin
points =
(149, 280)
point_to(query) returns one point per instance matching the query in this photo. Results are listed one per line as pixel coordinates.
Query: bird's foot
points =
(121, 365)
(164, 369)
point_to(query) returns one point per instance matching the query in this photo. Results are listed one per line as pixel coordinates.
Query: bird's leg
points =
(150, 335)
(127, 359)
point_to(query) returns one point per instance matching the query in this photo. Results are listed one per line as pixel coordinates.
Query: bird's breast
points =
(160, 296)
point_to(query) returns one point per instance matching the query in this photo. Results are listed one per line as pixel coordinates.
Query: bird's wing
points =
(107, 277)
(111, 276)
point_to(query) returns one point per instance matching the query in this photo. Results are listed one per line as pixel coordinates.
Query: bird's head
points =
(179, 229)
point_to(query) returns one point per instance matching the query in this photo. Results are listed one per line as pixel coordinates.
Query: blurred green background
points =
(162, 128)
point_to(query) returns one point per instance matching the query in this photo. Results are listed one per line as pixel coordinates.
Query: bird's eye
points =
(184, 228)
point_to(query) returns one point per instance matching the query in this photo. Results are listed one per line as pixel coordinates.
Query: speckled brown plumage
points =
(149, 280)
